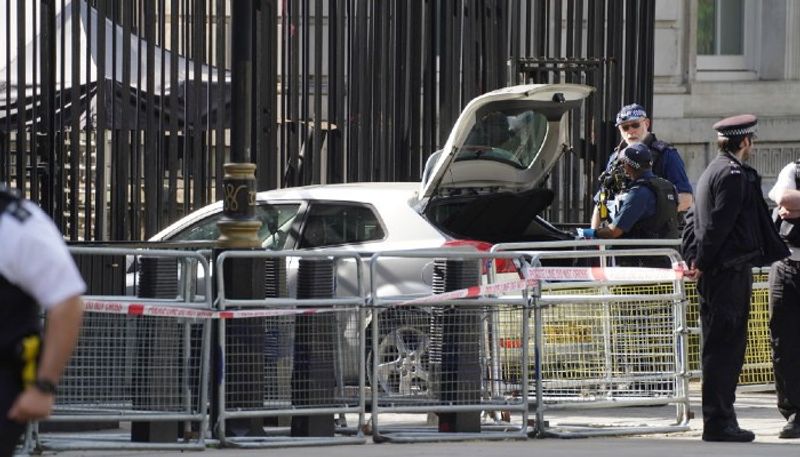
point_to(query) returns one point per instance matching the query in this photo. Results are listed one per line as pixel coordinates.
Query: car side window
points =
(337, 224)
(202, 230)
(276, 221)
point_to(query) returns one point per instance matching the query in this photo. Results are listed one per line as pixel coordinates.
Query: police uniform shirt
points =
(34, 258)
(785, 181)
(634, 205)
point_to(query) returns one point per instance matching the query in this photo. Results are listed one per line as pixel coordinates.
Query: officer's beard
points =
(746, 154)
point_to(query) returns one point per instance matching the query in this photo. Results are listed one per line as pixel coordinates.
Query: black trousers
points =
(10, 431)
(724, 311)
(784, 325)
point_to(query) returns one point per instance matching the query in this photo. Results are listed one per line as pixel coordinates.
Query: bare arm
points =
(788, 214)
(595, 217)
(790, 199)
(611, 231)
(61, 335)
(63, 326)
(685, 200)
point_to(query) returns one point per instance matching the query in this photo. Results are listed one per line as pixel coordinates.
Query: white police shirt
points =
(785, 181)
(34, 258)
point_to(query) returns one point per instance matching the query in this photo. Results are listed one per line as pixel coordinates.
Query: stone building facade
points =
(715, 58)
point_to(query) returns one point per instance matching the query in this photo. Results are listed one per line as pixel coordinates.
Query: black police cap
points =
(741, 125)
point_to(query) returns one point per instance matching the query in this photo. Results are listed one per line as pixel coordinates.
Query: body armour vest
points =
(789, 229)
(19, 313)
(664, 223)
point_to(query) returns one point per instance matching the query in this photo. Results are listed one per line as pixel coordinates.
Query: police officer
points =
(648, 207)
(634, 127)
(784, 300)
(35, 269)
(728, 231)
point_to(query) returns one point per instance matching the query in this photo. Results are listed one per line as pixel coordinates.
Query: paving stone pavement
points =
(756, 412)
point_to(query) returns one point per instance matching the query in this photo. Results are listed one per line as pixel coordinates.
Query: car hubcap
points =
(403, 362)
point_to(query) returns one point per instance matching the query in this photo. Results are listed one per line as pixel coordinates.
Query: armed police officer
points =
(634, 127)
(35, 270)
(784, 300)
(647, 209)
(728, 231)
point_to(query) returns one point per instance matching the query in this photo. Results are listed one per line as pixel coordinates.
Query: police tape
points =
(675, 273)
(477, 291)
(167, 310)
(533, 275)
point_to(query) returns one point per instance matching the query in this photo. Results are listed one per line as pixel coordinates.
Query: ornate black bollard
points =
(455, 346)
(313, 376)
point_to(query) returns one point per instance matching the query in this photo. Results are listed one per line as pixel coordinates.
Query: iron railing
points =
(115, 114)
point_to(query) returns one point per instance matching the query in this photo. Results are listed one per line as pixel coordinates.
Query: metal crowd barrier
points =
(138, 361)
(433, 354)
(610, 342)
(480, 364)
(624, 346)
(757, 371)
(310, 358)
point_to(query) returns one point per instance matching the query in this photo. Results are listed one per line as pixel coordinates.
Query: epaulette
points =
(735, 168)
(12, 204)
(660, 146)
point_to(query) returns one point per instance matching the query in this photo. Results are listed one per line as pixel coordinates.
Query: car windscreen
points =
(511, 136)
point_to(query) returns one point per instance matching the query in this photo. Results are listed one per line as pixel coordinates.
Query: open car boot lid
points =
(506, 140)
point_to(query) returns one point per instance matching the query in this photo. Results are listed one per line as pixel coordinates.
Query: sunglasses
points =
(632, 125)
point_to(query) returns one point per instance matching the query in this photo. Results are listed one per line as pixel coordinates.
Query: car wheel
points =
(403, 355)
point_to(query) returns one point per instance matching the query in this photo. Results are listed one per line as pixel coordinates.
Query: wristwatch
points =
(44, 386)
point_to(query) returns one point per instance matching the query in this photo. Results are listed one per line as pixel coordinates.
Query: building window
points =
(724, 31)
(719, 27)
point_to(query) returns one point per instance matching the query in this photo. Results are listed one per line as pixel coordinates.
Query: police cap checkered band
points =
(636, 155)
(741, 125)
(630, 113)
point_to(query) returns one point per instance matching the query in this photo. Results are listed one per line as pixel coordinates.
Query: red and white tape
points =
(606, 273)
(160, 310)
(477, 291)
(536, 274)
(533, 276)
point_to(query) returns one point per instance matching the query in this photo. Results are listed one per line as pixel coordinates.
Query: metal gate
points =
(115, 114)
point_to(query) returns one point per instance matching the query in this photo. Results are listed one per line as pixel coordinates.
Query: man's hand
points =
(31, 404)
(785, 213)
(585, 233)
(692, 273)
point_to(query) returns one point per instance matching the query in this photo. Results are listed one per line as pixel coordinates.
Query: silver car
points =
(483, 187)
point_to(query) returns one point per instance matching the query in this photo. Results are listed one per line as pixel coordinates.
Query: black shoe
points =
(731, 433)
(790, 430)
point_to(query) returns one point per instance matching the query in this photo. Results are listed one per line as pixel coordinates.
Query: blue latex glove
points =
(586, 233)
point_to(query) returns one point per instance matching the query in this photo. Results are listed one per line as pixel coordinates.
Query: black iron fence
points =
(115, 114)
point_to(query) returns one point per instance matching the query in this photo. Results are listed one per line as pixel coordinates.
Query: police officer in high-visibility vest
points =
(784, 300)
(728, 231)
(35, 270)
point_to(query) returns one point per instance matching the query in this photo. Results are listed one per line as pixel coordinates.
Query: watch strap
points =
(44, 386)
